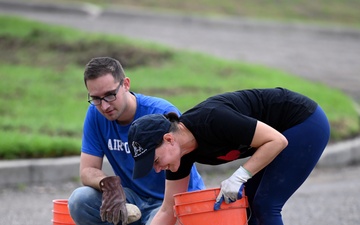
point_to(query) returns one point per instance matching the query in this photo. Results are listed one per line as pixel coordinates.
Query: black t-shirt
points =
(224, 125)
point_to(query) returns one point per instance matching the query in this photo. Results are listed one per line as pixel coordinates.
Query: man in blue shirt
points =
(112, 109)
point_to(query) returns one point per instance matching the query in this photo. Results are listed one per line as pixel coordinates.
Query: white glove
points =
(232, 188)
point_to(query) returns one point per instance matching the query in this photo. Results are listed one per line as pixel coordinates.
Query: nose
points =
(104, 105)
(157, 168)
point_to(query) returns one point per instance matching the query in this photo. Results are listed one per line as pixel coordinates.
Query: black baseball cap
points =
(145, 135)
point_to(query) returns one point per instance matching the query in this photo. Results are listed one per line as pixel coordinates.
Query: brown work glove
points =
(113, 208)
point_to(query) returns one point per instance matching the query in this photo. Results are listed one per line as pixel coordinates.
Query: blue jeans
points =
(84, 206)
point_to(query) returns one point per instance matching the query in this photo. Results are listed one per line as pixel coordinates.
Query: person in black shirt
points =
(281, 132)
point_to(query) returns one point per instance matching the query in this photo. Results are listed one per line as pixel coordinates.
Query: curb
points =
(19, 172)
(344, 153)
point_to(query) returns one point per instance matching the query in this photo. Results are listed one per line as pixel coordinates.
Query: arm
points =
(269, 143)
(165, 216)
(113, 208)
(91, 170)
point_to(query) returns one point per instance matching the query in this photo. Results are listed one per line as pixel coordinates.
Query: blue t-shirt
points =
(104, 137)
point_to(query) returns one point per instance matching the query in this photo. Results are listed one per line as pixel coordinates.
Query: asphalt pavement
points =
(28, 186)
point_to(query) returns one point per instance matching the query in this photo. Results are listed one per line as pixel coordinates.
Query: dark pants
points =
(269, 189)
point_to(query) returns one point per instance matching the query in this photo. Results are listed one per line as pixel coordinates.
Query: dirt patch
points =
(40, 48)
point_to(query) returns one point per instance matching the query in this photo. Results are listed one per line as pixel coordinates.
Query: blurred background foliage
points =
(43, 97)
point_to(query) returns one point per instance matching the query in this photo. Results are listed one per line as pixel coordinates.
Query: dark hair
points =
(101, 66)
(174, 120)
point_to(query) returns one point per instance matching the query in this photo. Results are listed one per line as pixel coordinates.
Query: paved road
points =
(329, 196)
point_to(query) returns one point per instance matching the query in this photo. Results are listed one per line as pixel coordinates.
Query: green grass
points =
(44, 100)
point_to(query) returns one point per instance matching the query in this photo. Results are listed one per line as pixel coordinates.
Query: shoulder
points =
(150, 99)
(150, 104)
(91, 112)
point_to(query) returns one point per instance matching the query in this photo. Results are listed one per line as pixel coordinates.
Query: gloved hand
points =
(113, 207)
(232, 188)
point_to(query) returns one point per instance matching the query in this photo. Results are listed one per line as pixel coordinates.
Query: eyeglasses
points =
(108, 98)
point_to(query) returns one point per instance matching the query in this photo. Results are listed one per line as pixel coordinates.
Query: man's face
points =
(108, 95)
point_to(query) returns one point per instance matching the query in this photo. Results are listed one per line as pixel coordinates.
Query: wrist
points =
(247, 171)
(109, 183)
(242, 174)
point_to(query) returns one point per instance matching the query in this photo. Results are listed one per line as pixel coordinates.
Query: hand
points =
(113, 207)
(233, 187)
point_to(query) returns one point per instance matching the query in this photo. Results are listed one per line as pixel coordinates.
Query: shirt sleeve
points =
(90, 139)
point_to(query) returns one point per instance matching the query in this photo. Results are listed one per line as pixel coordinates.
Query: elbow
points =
(83, 178)
(283, 142)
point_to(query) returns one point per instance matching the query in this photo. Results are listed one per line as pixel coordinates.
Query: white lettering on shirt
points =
(118, 145)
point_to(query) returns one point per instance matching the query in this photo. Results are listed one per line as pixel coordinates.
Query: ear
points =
(168, 137)
(126, 83)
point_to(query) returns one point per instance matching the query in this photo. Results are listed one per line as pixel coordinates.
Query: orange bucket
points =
(197, 207)
(61, 215)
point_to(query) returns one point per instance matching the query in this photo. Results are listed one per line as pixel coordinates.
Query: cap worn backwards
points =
(145, 134)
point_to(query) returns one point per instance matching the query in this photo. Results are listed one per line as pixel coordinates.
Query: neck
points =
(127, 116)
(188, 141)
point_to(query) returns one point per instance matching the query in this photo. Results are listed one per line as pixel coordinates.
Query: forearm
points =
(264, 155)
(91, 177)
(164, 216)
(269, 143)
